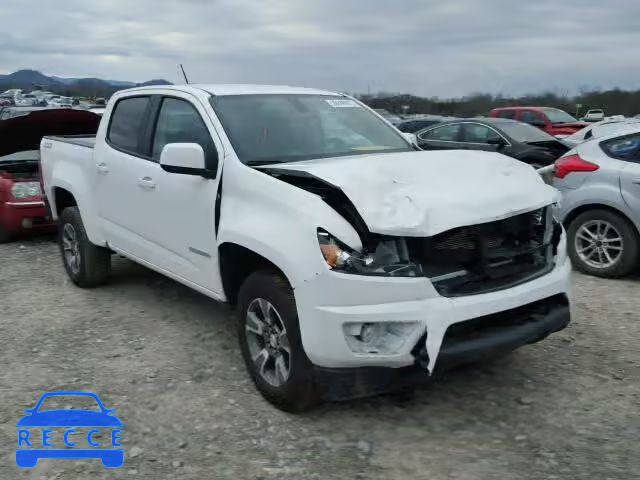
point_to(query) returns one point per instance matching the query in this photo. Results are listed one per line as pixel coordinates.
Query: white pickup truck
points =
(354, 260)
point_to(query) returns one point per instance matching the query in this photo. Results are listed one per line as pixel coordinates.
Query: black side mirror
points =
(498, 142)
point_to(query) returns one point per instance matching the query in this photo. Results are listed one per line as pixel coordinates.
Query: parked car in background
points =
(597, 130)
(515, 139)
(554, 121)
(600, 184)
(417, 124)
(594, 115)
(390, 117)
(66, 102)
(22, 207)
(341, 246)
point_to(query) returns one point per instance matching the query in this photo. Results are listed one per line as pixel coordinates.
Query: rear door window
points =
(625, 148)
(127, 124)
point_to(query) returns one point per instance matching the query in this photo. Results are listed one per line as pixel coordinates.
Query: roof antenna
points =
(186, 80)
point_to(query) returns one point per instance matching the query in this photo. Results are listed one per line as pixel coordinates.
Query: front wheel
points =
(603, 243)
(86, 264)
(270, 341)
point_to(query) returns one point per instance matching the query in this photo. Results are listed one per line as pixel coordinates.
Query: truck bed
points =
(87, 141)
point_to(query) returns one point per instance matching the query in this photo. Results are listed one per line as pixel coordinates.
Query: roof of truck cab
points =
(241, 89)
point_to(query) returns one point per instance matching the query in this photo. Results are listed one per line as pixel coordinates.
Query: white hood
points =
(426, 193)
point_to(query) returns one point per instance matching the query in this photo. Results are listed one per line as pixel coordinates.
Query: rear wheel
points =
(86, 264)
(270, 340)
(603, 243)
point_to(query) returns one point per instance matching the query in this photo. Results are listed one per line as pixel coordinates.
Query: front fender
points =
(279, 222)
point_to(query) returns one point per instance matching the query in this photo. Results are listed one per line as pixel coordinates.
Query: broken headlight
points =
(388, 258)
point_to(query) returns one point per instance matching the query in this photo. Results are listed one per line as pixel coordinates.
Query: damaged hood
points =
(426, 193)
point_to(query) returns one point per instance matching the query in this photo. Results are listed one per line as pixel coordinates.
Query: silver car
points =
(600, 185)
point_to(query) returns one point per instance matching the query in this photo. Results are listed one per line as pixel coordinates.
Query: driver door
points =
(176, 212)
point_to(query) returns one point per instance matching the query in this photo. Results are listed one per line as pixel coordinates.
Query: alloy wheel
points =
(599, 244)
(268, 343)
(71, 248)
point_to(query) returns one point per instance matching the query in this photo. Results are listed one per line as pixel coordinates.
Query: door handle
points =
(102, 167)
(636, 182)
(146, 183)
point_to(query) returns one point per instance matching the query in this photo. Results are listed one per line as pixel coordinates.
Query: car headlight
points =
(25, 189)
(389, 258)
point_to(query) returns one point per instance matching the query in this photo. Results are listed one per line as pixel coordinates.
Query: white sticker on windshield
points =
(342, 103)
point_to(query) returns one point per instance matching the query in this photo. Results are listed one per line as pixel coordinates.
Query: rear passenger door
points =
(627, 150)
(119, 162)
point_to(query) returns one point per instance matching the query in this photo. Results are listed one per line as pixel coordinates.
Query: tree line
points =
(613, 102)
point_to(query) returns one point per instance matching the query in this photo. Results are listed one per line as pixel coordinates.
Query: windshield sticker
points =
(342, 103)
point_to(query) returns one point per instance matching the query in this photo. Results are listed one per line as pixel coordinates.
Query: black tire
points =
(626, 262)
(299, 392)
(94, 262)
(5, 237)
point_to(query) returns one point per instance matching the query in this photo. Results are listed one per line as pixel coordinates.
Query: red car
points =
(21, 130)
(554, 121)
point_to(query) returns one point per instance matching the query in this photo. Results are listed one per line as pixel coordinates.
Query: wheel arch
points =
(573, 214)
(237, 262)
(62, 198)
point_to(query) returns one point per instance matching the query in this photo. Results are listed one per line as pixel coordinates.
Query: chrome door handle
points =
(635, 182)
(146, 183)
(102, 167)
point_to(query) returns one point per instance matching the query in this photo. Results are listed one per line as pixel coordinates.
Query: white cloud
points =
(426, 47)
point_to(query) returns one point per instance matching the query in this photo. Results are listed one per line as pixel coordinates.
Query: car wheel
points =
(4, 235)
(270, 341)
(86, 264)
(603, 243)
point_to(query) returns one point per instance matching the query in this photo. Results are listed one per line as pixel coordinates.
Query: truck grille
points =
(491, 256)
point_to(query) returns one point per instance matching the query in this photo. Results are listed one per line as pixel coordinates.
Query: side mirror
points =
(498, 142)
(185, 159)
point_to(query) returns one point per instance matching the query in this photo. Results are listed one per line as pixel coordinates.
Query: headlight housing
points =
(25, 190)
(389, 259)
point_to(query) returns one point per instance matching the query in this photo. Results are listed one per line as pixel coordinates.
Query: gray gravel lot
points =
(166, 359)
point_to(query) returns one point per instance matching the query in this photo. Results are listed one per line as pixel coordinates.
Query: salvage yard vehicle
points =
(600, 184)
(508, 137)
(22, 207)
(554, 121)
(594, 115)
(356, 262)
(598, 130)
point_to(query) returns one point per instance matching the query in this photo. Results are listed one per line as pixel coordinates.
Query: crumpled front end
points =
(468, 273)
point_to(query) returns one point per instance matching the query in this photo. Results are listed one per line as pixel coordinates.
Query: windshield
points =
(558, 116)
(286, 128)
(524, 133)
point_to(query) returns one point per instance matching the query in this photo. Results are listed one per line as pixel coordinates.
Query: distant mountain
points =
(32, 79)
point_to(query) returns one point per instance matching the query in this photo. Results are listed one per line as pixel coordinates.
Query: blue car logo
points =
(69, 419)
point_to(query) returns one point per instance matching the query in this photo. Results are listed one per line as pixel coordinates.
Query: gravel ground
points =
(166, 359)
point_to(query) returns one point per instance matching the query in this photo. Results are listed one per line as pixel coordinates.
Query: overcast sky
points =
(440, 48)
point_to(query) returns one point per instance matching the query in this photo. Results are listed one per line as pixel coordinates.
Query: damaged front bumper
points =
(528, 324)
(330, 301)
